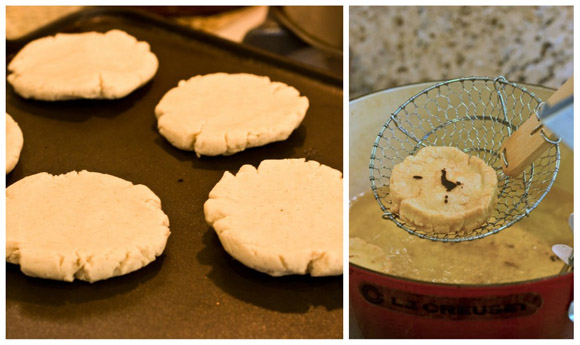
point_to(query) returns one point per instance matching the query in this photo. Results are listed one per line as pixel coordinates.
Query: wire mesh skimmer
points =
(475, 115)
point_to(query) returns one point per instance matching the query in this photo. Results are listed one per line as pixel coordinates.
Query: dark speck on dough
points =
(554, 258)
(446, 183)
(180, 180)
(417, 177)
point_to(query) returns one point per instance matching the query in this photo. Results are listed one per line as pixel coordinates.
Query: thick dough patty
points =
(14, 142)
(442, 190)
(221, 114)
(84, 225)
(86, 65)
(285, 217)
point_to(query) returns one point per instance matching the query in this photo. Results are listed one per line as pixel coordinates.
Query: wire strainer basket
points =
(475, 115)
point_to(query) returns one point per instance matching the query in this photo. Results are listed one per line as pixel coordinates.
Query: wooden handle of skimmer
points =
(527, 143)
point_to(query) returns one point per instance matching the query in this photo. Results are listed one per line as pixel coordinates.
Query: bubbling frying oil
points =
(521, 252)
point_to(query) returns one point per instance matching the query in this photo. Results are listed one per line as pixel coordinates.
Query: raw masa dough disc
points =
(443, 190)
(221, 114)
(14, 142)
(84, 225)
(87, 65)
(285, 217)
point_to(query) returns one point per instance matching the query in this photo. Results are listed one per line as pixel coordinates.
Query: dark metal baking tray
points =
(195, 289)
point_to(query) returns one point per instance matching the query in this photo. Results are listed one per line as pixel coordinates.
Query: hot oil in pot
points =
(521, 252)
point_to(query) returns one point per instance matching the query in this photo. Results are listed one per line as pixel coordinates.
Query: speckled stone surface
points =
(393, 46)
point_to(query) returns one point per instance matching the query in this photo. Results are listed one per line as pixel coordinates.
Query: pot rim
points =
(410, 280)
(463, 286)
(372, 93)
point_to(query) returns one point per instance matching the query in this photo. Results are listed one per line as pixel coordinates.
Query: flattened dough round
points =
(285, 217)
(421, 197)
(14, 142)
(221, 114)
(87, 65)
(84, 225)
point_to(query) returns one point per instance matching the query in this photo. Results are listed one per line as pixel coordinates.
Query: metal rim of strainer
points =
(505, 183)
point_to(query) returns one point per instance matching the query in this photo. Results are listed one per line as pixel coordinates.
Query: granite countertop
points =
(393, 46)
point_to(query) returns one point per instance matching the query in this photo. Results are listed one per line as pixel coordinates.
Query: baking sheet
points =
(195, 289)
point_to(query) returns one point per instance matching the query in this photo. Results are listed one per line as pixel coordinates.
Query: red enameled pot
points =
(385, 306)
(392, 307)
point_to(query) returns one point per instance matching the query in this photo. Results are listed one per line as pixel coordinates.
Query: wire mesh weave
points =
(475, 115)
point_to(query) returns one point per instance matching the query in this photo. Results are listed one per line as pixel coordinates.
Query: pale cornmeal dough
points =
(221, 114)
(285, 217)
(84, 225)
(14, 142)
(442, 190)
(89, 65)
